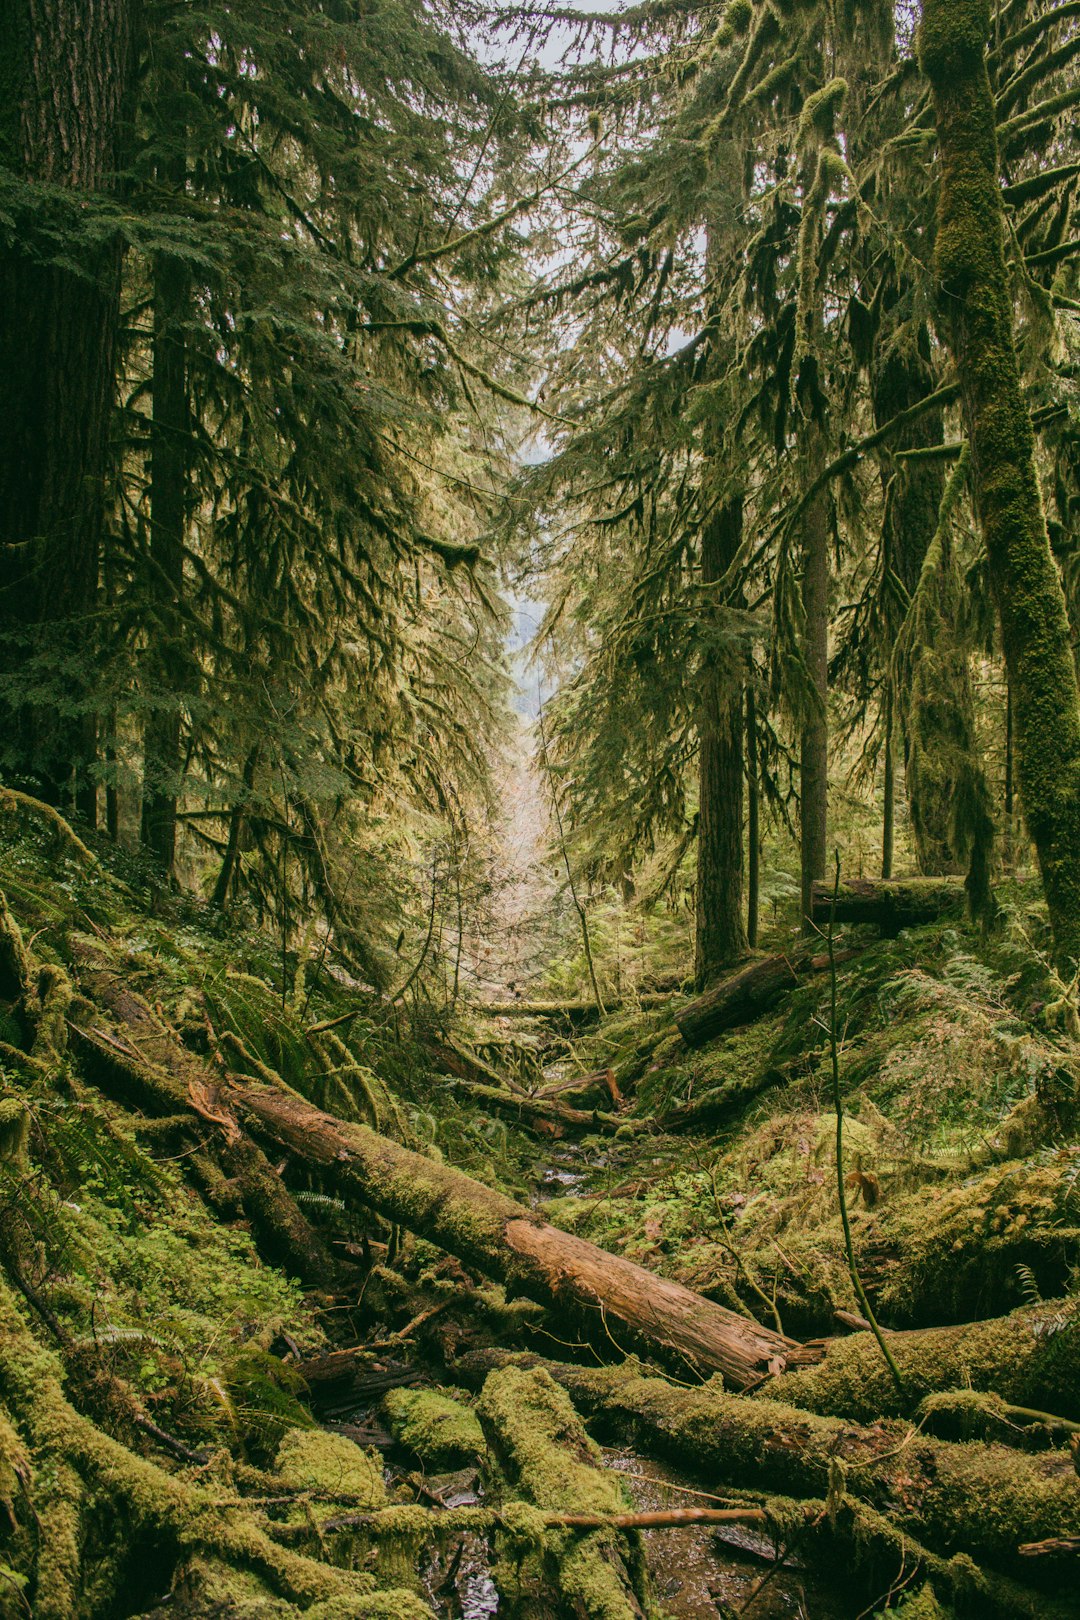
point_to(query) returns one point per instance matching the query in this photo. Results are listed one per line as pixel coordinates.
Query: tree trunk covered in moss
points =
(938, 719)
(1031, 1358)
(65, 74)
(977, 314)
(720, 933)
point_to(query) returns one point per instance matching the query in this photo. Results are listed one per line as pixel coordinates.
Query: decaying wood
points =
(985, 1499)
(889, 905)
(597, 1087)
(617, 1302)
(748, 994)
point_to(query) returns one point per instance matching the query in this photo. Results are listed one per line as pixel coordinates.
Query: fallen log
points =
(1030, 1358)
(541, 1447)
(984, 1498)
(597, 1087)
(74, 1474)
(604, 1293)
(888, 905)
(574, 1012)
(748, 994)
(548, 1112)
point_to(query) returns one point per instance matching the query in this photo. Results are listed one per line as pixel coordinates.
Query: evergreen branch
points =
(479, 232)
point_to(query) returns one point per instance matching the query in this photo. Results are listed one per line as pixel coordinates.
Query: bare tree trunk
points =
(977, 314)
(814, 750)
(65, 73)
(753, 820)
(720, 933)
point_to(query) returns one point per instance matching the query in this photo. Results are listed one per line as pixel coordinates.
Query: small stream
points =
(699, 1572)
(704, 1573)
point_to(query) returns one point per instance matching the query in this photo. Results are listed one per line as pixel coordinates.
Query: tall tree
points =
(977, 314)
(720, 929)
(66, 72)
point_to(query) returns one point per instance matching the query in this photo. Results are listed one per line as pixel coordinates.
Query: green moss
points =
(314, 1459)
(14, 1130)
(1031, 1358)
(544, 1451)
(439, 1430)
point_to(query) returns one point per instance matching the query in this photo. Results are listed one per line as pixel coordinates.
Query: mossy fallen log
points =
(542, 1449)
(985, 1499)
(1030, 1358)
(547, 1113)
(571, 1012)
(616, 1301)
(751, 993)
(888, 905)
(611, 1298)
(74, 1481)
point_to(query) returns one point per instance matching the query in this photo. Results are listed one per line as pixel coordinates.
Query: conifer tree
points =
(66, 78)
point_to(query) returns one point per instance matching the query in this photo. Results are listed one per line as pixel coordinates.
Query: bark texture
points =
(977, 315)
(720, 933)
(605, 1294)
(64, 86)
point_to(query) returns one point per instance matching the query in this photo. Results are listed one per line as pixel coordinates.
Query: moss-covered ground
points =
(167, 1378)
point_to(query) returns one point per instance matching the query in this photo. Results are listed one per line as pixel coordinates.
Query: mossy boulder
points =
(441, 1431)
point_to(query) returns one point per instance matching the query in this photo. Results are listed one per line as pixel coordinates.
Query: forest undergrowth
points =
(247, 1374)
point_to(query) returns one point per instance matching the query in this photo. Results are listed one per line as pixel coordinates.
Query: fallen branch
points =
(573, 1011)
(483, 1519)
(546, 1111)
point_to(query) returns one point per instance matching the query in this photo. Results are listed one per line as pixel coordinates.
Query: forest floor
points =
(263, 1352)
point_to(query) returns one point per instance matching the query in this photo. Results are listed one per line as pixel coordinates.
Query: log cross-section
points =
(622, 1301)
